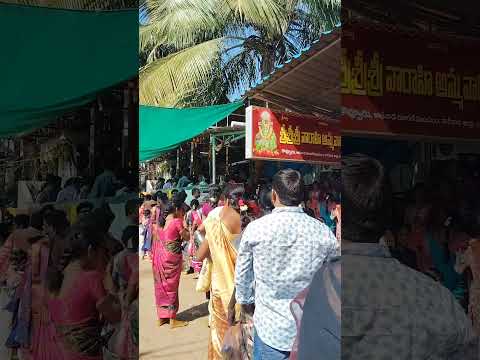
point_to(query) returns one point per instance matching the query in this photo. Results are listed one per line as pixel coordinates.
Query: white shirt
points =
(279, 255)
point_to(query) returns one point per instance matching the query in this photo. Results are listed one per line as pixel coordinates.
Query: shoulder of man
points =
(316, 225)
(262, 220)
(448, 311)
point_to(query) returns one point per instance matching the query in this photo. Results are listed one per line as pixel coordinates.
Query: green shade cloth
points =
(55, 60)
(164, 129)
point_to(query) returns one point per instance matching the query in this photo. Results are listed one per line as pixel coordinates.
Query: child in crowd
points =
(147, 235)
(194, 220)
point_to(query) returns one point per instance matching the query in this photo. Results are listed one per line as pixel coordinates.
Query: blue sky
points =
(142, 17)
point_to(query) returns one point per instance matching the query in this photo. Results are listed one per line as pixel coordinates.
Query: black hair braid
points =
(169, 209)
(233, 193)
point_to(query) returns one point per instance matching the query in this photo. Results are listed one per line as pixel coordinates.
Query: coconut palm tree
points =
(195, 52)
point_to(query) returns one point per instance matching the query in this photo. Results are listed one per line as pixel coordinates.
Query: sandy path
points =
(189, 343)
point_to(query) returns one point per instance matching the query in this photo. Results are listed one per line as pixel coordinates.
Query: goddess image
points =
(266, 140)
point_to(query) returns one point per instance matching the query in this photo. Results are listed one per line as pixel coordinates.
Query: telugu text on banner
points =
(274, 135)
(408, 84)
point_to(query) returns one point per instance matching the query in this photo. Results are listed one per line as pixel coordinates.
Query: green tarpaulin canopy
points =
(54, 60)
(163, 129)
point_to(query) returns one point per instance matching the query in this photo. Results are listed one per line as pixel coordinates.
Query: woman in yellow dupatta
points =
(221, 229)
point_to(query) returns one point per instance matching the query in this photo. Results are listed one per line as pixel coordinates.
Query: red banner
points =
(273, 135)
(409, 84)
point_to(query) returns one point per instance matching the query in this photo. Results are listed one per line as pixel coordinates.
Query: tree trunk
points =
(268, 62)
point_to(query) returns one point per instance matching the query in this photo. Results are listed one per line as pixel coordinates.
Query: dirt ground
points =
(188, 343)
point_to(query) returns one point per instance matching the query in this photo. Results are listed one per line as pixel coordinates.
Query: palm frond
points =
(241, 70)
(149, 37)
(181, 23)
(167, 81)
(214, 93)
(323, 14)
(269, 15)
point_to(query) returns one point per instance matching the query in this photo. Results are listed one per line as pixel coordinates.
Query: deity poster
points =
(274, 135)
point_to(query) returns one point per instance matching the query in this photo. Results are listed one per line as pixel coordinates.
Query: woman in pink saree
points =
(78, 298)
(43, 339)
(167, 263)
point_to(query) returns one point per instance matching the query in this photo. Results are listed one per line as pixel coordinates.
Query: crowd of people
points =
(268, 262)
(107, 184)
(69, 290)
(179, 182)
(400, 291)
(437, 234)
(256, 253)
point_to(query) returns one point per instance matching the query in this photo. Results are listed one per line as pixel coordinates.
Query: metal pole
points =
(91, 160)
(226, 160)
(192, 149)
(126, 104)
(214, 173)
(21, 156)
(177, 170)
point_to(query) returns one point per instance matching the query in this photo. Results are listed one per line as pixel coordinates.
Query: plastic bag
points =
(231, 347)
(205, 277)
(246, 323)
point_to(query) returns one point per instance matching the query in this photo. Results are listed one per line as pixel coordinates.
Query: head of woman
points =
(231, 196)
(331, 201)
(265, 198)
(83, 244)
(194, 204)
(55, 223)
(214, 196)
(162, 199)
(174, 209)
(130, 238)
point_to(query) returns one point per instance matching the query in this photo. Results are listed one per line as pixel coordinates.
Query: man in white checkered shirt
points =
(279, 255)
